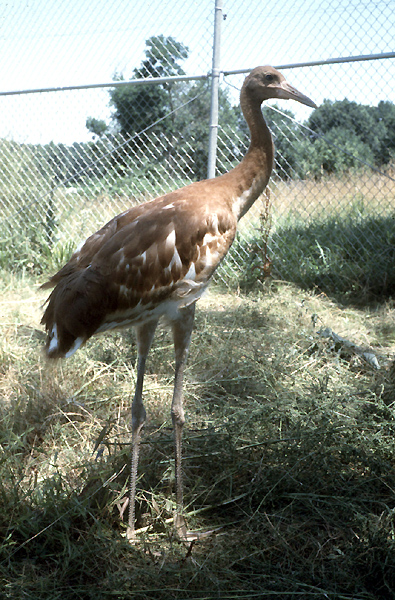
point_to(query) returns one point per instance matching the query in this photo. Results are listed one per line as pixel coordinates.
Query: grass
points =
(313, 199)
(349, 258)
(289, 452)
(337, 235)
(334, 236)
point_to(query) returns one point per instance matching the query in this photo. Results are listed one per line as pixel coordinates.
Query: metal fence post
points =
(215, 73)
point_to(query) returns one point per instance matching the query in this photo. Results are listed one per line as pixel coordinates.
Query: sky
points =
(47, 43)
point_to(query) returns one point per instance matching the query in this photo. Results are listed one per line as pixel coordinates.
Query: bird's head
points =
(266, 82)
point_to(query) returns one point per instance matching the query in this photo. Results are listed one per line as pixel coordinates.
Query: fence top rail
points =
(88, 86)
(327, 61)
(156, 80)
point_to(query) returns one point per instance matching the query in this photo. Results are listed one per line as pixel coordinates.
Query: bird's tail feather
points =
(73, 313)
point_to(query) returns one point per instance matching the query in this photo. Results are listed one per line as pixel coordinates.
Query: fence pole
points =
(215, 73)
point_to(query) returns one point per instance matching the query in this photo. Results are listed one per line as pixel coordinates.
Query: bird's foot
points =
(180, 527)
(131, 535)
(181, 532)
(187, 536)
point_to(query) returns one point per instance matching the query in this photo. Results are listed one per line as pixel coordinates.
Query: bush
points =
(338, 152)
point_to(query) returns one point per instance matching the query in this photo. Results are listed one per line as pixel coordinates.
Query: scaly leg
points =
(145, 334)
(182, 329)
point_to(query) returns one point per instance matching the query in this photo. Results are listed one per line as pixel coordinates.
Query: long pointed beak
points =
(287, 92)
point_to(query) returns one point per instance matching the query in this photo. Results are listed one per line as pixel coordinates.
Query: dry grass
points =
(372, 192)
(289, 450)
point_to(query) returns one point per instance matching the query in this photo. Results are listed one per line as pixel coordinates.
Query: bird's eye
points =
(269, 77)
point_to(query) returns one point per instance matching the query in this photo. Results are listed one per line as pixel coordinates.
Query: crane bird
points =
(155, 260)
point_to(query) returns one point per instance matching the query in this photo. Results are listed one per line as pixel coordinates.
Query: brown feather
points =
(155, 258)
(139, 256)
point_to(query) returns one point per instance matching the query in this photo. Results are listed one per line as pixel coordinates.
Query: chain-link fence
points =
(72, 158)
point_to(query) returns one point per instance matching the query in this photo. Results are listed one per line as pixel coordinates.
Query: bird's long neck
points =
(251, 176)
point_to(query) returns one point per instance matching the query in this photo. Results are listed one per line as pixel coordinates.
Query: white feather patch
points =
(209, 237)
(191, 275)
(175, 260)
(77, 344)
(171, 239)
(54, 339)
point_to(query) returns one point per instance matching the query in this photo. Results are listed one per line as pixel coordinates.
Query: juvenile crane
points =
(156, 259)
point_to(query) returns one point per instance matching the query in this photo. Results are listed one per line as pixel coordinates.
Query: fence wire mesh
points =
(72, 159)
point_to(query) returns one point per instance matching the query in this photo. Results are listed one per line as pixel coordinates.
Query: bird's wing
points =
(82, 257)
(156, 244)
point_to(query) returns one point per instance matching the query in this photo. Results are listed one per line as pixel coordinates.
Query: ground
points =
(289, 454)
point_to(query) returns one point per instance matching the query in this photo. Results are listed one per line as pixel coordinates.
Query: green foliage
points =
(162, 57)
(97, 126)
(350, 131)
(31, 203)
(349, 116)
(344, 134)
(386, 116)
(70, 164)
(339, 151)
(192, 124)
(348, 256)
(287, 136)
(29, 250)
(140, 106)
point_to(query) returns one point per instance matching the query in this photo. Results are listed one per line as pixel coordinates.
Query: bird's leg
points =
(182, 329)
(145, 334)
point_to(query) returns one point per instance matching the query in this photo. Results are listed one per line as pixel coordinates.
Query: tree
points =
(286, 134)
(192, 127)
(140, 106)
(347, 115)
(96, 126)
(385, 113)
(339, 151)
(355, 133)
